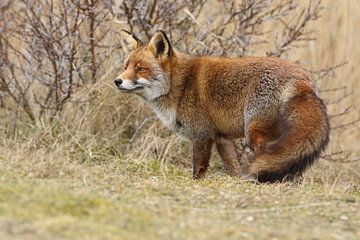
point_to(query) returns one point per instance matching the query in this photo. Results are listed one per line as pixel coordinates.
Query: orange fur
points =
(269, 101)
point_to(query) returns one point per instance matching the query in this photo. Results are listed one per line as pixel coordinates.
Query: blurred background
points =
(79, 160)
(58, 59)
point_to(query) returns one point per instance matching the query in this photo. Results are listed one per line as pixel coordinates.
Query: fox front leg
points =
(201, 156)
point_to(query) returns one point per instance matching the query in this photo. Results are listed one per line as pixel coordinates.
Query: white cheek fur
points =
(143, 81)
(128, 84)
(157, 88)
(152, 90)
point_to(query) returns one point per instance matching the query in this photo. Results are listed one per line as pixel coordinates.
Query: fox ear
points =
(160, 44)
(129, 42)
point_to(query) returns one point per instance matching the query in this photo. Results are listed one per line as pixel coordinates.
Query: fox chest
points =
(168, 118)
(166, 115)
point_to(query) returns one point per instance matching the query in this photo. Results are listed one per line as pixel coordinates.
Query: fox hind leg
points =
(228, 153)
(258, 134)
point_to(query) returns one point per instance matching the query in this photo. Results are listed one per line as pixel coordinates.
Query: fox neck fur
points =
(165, 106)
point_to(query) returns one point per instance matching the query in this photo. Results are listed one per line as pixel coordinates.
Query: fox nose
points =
(118, 82)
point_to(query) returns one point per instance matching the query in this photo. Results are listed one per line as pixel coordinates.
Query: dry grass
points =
(51, 196)
(106, 169)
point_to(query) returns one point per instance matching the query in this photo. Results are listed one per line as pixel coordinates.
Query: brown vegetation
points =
(51, 50)
(60, 110)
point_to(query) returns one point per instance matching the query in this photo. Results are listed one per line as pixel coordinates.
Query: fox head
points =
(146, 67)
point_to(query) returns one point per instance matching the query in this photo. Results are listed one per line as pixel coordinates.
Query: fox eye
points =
(140, 69)
(126, 66)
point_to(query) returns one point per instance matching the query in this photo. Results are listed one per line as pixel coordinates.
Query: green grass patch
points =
(124, 199)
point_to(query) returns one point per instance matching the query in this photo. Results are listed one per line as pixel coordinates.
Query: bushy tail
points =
(301, 143)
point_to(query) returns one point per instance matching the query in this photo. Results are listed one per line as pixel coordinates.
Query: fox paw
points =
(245, 175)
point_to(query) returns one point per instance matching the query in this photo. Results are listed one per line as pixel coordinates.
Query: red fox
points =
(214, 100)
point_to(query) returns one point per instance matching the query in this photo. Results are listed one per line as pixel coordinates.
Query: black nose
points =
(118, 82)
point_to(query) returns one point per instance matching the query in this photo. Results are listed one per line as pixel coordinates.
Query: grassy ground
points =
(48, 195)
(93, 175)
(101, 176)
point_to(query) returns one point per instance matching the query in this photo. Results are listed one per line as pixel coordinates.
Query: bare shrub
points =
(48, 49)
(234, 28)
